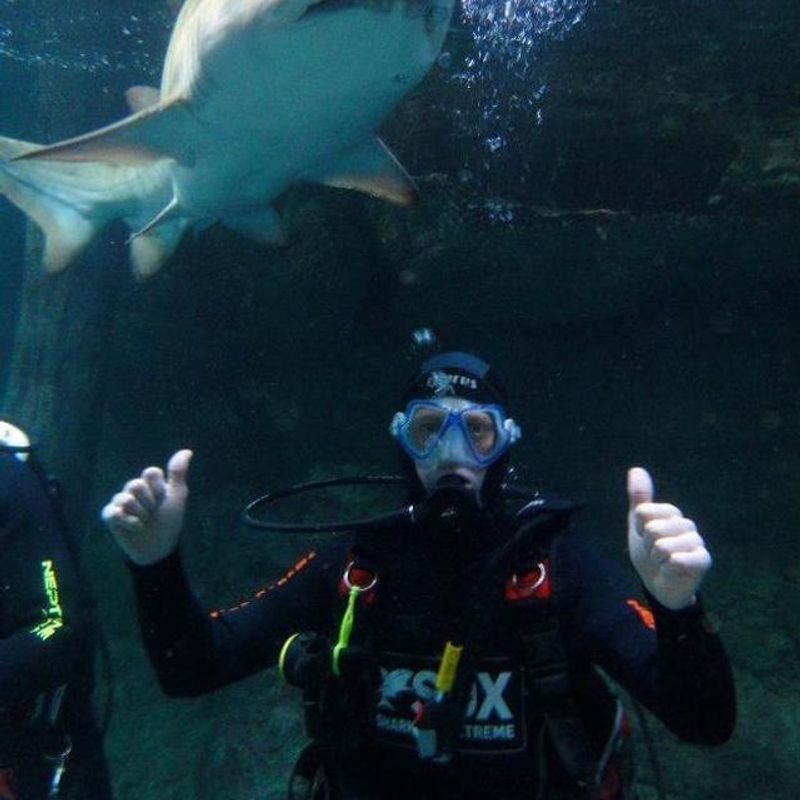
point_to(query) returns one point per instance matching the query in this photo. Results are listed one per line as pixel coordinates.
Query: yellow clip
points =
(345, 629)
(448, 667)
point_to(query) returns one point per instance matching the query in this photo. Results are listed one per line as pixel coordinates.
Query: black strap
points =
(549, 688)
(551, 695)
(544, 661)
(539, 518)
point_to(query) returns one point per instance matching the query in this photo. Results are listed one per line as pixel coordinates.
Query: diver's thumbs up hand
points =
(146, 517)
(665, 547)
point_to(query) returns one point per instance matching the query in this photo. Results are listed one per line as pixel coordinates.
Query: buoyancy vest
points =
(495, 697)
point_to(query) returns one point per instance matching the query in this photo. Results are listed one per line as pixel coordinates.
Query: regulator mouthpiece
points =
(453, 503)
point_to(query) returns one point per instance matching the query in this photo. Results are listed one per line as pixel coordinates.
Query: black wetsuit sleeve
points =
(671, 661)
(195, 651)
(42, 623)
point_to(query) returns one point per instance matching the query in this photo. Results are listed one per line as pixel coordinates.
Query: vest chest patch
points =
(494, 720)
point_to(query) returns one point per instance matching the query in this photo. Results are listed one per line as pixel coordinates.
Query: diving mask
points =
(478, 434)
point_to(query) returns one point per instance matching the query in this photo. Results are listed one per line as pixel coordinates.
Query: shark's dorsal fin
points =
(142, 97)
(369, 168)
(154, 133)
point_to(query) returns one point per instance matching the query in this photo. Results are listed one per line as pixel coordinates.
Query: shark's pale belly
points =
(297, 96)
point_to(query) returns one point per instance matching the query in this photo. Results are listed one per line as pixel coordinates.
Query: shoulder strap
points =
(547, 677)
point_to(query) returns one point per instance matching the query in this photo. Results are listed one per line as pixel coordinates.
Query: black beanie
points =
(457, 374)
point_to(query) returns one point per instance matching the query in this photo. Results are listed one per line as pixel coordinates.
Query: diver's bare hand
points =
(665, 547)
(146, 517)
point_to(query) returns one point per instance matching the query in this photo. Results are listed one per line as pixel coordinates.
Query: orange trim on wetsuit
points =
(644, 613)
(298, 567)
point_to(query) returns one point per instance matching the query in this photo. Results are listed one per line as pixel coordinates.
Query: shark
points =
(255, 95)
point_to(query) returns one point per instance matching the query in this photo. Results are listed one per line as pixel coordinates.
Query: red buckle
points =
(533, 583)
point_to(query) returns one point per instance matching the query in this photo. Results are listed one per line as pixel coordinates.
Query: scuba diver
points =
(50, 744)
(460, 650)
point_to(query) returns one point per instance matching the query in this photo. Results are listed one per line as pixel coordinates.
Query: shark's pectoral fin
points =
(142, 97)
(156, 132)
(370, 168)
(263, 226)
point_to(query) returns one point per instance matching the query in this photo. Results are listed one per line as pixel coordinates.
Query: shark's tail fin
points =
(60, 198)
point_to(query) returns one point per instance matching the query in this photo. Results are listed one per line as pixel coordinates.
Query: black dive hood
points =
(451, 503)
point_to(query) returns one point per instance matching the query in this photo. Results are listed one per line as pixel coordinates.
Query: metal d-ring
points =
(350, 585)
(539, 581)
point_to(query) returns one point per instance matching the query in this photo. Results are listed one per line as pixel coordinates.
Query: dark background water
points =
(625, 253)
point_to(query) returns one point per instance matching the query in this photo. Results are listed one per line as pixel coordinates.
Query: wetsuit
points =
(45, 649)
(669, 661)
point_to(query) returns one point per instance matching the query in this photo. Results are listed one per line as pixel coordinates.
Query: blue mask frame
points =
(506, 430)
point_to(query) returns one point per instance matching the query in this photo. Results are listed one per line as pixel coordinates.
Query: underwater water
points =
(609, 214)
